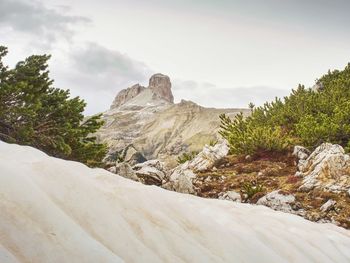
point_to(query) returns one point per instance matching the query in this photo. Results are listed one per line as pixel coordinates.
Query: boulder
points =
(150, 172)
(327, 168)
(279, 202)
(207, 158)
(181, 181)
(124, 169)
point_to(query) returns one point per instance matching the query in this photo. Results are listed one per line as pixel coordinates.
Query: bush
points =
(245, 138)
(186, 157)
(251, 188)
(309, 117)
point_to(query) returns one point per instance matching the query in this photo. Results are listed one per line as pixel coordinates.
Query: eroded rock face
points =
(127, 94)
(327, 168)
(161, 86)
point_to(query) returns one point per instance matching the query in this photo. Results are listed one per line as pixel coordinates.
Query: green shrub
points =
(245, 138)
(186, 157)
(213, 142)
(306, 116)
(251, 188)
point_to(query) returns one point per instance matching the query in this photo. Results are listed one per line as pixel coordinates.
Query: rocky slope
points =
(59, 211)
(314, 185)
(144, 123)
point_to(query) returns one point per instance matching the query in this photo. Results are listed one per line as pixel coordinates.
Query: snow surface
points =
(59, 211)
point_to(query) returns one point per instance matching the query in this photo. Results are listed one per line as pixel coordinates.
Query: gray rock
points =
(301, 152)
(327, 168)
(231, 196)
(112, 169)
(180, 179)
(150, 172)
(207, 158)
(125, 170)
(279, 202)
(328, 205)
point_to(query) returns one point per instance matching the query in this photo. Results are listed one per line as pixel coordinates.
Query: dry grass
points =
(273, 173)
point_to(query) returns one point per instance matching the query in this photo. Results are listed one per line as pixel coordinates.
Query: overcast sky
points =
(218, 53)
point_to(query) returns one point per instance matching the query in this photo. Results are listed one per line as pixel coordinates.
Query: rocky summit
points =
(144, 123)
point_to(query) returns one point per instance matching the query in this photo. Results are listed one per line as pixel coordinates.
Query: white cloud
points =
(42, 25)
(209, 95)
(97, 74)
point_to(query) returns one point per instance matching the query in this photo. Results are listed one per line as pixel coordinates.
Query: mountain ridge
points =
(150, 121)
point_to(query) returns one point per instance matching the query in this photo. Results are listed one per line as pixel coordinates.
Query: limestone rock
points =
(161, 86)
(231, 196)
(181, 181)
(327, 168)
(301, 152)
(124, 169)
(181, 177)
(150, 172)
(279, 202)
(328, 205)
(126, 95)
(207, 158)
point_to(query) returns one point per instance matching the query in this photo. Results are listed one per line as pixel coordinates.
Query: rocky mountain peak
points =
(161, 86)
(127, 94)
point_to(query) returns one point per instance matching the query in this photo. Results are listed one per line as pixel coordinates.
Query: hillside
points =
(147, 121)
(61, 211)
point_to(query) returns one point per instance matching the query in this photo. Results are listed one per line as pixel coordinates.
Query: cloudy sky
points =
(218, 53)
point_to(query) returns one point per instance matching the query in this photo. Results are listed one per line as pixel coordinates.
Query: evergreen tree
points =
(33, 112)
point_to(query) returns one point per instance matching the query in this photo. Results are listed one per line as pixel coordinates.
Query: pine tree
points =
(33, 112)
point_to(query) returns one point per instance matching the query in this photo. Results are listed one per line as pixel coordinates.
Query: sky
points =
(218, 53)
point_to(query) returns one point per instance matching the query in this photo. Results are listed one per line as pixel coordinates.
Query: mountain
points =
(145, 123)
(54, 210)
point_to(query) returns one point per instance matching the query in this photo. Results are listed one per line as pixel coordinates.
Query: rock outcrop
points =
(161, 87)
(127, 94)
(327, 168)
(151, 172)
(181, 177)
(279, 201)
(155, 127)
